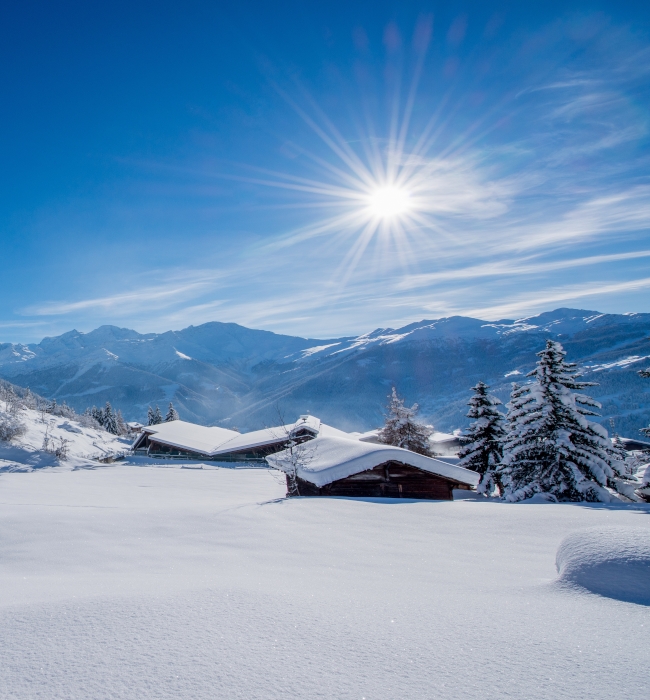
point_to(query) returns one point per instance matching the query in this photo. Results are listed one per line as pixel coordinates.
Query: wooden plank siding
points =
(389, 480)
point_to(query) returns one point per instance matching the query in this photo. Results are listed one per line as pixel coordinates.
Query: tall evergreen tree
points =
(29, 398)
(110, 420)
(520, 404)
(401, 428)
(620, 455)
(97, 414)
(172, 413)
(645, 373)
(121, 423)
(552, 447)
(484, 450)
(618, 451)
(154, 417)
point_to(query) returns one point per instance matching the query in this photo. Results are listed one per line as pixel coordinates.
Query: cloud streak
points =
(124, 303)
(537, 301)
(524, 267)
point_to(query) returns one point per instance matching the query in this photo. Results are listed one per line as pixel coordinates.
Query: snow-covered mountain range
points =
(226, 374)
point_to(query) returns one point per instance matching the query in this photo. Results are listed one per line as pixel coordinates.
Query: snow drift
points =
(610, 561)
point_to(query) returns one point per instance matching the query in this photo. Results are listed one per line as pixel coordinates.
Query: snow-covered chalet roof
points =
(328, 459)
(268, 436)
(309, 423)
(190, 436)
(218, 441)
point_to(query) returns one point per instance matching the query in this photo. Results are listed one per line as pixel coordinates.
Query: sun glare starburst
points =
(377, 200)
(389, 202)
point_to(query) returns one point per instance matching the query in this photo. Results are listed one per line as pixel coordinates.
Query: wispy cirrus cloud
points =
(514, 268)
(528, 302)
(124, 303)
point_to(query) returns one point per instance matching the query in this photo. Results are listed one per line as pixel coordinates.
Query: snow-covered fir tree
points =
(110, 420)
(521, 403)
(29, 399)
(646, 374)
(65, 411)
(617, 447)
(401, 428)
(8, 395)
(97, 414)
(154, 417)
(172, 413)
(618, 451)
(552, 447)
(484, 450)
(121, 423)
(88, 420)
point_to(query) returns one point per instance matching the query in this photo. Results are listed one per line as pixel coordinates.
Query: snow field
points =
(145, 582)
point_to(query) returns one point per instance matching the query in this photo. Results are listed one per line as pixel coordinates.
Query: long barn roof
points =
(190, 436)
(216, 441)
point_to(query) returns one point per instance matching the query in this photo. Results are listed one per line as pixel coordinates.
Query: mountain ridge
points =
(227, 374)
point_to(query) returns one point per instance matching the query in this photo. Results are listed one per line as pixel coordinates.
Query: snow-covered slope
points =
(46, 433)
(233, 376)
(143, 583)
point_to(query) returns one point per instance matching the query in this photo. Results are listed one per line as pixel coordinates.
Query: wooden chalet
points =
(335, 466)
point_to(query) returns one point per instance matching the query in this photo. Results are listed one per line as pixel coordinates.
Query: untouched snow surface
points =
(141, 581)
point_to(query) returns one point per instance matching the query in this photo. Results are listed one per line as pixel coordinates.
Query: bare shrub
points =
(10, 426)
(61, 450)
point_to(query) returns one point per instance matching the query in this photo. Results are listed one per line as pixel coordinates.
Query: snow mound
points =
(541, 498)
(609, 561)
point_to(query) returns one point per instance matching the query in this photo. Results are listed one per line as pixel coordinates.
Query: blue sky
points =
(320, 169)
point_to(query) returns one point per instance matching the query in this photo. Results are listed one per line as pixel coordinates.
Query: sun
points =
(389, 202)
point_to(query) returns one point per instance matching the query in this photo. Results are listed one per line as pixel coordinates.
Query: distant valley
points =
(226, 374)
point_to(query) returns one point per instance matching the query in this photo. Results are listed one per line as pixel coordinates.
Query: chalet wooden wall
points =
(389, 480)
